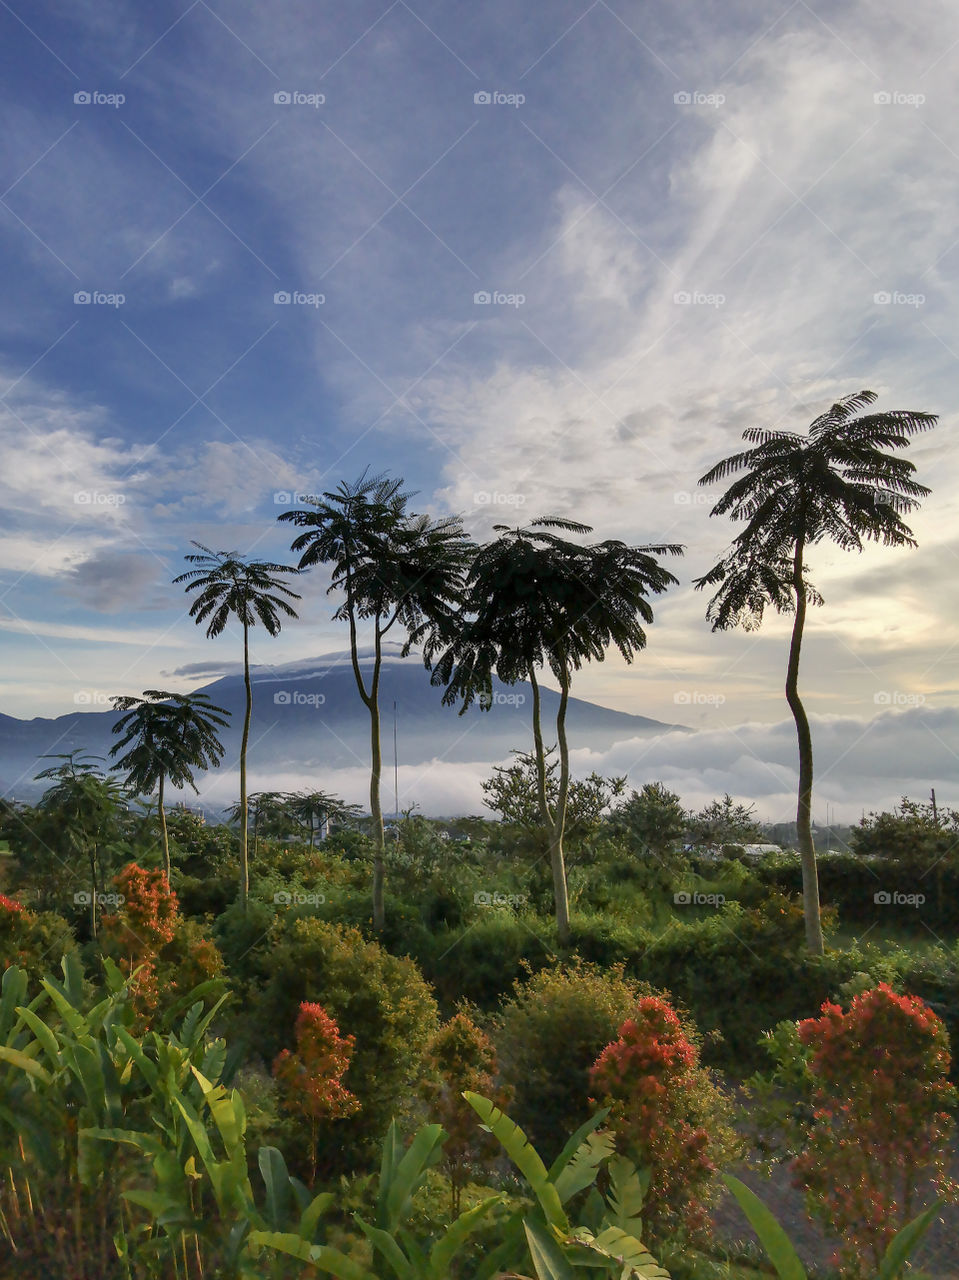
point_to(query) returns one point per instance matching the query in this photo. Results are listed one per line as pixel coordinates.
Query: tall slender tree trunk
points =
(94, 891)
(163, 831)
(807, 849)
(376, 770)
(545, 816)
(244, 816)
(556, 856)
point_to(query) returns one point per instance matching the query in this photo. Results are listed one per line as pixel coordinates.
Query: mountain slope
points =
(309, 714)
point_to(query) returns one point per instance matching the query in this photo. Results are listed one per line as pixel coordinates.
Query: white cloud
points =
(861, 764)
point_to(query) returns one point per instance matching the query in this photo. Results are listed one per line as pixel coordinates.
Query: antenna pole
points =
(396, 771)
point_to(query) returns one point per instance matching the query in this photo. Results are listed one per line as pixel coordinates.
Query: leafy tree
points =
(172, 735)
(316, 809)
(391, 566)
(512, 793)
(653, 819)
(724, 822)
(535, 599)
(839, 483)
(914, 834)
(269, 810)
(250, 591)
(87, 809)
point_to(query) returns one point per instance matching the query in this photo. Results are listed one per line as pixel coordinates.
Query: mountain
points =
(308, 715)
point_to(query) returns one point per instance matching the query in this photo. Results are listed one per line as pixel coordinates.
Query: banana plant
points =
(609, 1243)
(402, 1173)
(70, 1071)
(785, 1259)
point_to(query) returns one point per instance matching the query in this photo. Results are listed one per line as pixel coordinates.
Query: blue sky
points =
(692, 218)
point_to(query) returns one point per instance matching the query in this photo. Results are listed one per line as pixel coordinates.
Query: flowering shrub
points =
(148, 936)
(880, 1123)
(309, 1076)
(29, 938)
(667, 1112)
(461, 1057)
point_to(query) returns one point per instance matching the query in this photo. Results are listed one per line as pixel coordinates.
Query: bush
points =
(461, 1057)
(549, 1035)
(30, 939)
(669, 1115)
(710, 964)
(875, 1131)
(148, 934)
(479, 962)
(380, 999)
(309, 1077)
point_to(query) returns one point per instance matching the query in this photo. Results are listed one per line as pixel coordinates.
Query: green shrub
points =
(481, 961)
(549, 1034)
(379, 998)
(741, 971)
(29, 939)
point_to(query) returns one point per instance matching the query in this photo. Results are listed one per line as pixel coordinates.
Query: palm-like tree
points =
(89, 808)
(838, 483)
(170, 735)
(315, 809)
(391, 566)
(268, 809)
(535, 599)
(230, 586)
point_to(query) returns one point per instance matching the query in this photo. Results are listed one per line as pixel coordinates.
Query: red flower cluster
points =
(13, 919)
(652, 1080)
(880, 1122)
(309, 1076)
(148, 934)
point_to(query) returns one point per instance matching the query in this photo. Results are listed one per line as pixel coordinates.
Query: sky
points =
(536, 259)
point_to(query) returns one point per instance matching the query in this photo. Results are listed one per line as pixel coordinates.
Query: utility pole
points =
(396, 771)
(935, 811)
